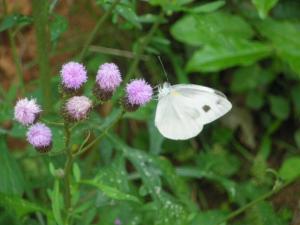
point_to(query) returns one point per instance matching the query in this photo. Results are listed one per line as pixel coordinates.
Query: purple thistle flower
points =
(73, 75)
(118, 222)
(40, 136)
(138, 92)
(27, 111)
(108, 77)
(77, 108)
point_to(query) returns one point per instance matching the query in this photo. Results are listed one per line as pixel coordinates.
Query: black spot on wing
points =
(206, 108)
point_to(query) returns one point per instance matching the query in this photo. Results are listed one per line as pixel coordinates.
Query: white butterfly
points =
(183, 109)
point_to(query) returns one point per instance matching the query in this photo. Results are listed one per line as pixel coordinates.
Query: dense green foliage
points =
(228, 174)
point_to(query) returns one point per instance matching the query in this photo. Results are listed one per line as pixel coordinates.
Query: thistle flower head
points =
(108, 77)
(138, 92)
(27, 111)
(78, 107)
(73, 75)
(40, 136)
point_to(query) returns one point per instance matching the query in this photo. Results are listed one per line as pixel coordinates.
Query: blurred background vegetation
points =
(241, 170)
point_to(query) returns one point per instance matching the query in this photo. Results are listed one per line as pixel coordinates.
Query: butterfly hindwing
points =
(176, 119)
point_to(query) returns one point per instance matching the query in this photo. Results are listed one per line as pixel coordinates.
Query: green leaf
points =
(211, 217)
(170, 6)
(210, 28)
(284, 36)
(263, 213)
(57, 203)
(233, 52)
(290, 168)
(13, 20)
(143, 113)
(206, 8)
(12, 180)
(19, 206)
(219, 161)
(255, 100)
(126, 10)
(297, 137)
(58, 26)
(295, 98)
(264, 6)
(280, 107)
(110, 191)
(194, 172)
(250, 78)
(156, 139)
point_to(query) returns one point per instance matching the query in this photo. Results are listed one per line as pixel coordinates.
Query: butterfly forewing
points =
(212, 103)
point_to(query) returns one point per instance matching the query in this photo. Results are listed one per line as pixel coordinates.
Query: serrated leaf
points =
(111, 192)
(264, 6)
(210, 28)
(234, 52)
(290, 168)
(12, 180)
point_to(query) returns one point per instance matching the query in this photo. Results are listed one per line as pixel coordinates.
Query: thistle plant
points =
(75, 109)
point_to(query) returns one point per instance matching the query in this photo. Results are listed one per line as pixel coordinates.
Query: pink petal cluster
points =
(39, 135)
(78, 107)
(26, 111)
(73, 75)
(108, 77)
(138, 92)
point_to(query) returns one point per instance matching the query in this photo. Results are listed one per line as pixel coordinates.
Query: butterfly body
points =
(183, 109)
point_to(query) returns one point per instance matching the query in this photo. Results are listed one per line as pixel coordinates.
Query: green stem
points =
(250, 204)
(96, 28)
(15, 54)
(104, 132)
(141, 48)
(67, 170)
(40, 15)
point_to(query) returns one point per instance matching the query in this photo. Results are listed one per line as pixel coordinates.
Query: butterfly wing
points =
(176, 117)
(212, 103)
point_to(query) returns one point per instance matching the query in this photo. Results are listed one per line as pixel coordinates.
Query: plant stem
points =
(96, 28)
(141, 48)
(67, 170)
(15, 54)
(250, 204)
(104, 132)
(40, 15)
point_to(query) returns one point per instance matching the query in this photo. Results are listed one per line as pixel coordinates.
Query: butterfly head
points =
(163, 90)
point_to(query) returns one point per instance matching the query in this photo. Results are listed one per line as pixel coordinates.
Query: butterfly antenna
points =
(161, 63)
